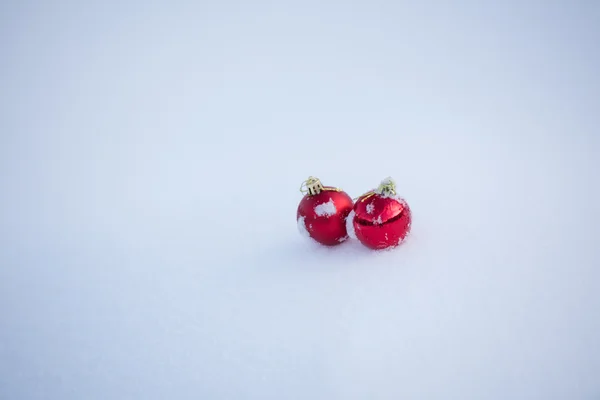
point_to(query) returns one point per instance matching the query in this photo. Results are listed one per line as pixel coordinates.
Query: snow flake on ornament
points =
(370, 208)
(326, 209)
(378, 221)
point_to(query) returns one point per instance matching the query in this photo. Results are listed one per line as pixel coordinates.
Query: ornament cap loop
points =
(312, 186)
(387, 187)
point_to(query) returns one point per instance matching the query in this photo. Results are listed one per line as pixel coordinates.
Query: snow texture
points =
(326, 209)
(150, 159)
(302, 227)
(350, 225)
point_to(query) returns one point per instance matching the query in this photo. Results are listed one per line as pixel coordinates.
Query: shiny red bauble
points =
(380, 218)
(322, 213)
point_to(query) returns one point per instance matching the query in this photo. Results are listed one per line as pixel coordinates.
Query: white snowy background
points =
(150, 159)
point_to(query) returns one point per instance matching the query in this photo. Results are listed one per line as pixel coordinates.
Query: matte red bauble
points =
(322, 212)
(380, 219)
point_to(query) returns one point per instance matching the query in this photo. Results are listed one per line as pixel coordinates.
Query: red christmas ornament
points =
(380, 218)
(322, 212)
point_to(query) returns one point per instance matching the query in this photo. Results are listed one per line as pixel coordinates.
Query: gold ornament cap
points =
(387, 187)
(312, 186)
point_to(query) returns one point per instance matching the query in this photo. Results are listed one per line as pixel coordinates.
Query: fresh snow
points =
(350, 225)
(326, 209)
(150, 161)
(302, 227)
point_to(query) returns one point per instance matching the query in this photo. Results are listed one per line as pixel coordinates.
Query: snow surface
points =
(302, 227)
(326, 209)
(150, 158)
(350, 225)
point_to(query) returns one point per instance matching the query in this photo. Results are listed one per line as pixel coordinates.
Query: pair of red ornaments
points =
(379, 219)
